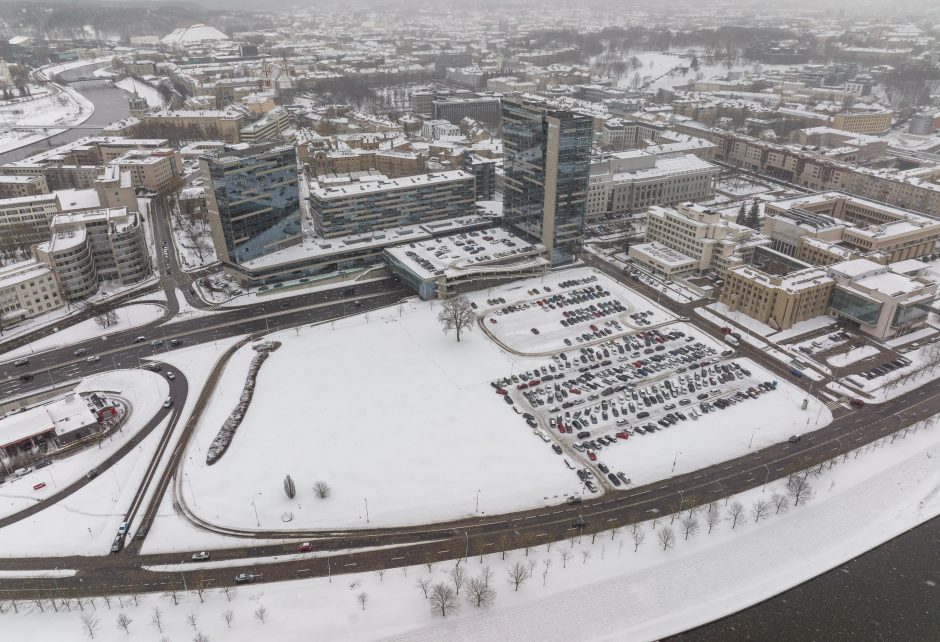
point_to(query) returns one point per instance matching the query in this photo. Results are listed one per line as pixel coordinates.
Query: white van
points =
(22, 472)
(168, 402)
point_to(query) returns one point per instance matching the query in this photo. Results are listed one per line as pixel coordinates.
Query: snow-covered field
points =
(631, 595)
(85, 522)
(129, 316)
(655, 64)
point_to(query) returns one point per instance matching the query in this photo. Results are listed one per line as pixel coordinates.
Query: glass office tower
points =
(253, 200)
(546, 161)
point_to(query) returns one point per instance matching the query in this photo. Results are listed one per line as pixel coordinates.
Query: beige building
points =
(863, 226)
(209, 124)
(27, 289)
(24, 221)
(877, 122)
(777, 301)
(27, 185)
(156, 169)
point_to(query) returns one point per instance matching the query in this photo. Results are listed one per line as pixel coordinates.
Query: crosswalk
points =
(835, 403)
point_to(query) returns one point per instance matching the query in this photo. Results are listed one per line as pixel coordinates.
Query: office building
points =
(89, 248)
(777, 301)
(484, 175)
(24, 221)
(367, 202)
(546, 163)
(877, 122)
(484, 109)
(631, 181)
(253, 200)
(26, 185)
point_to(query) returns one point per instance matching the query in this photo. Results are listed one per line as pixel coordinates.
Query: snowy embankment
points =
(130, 316)
(145, 91)
(896, 486)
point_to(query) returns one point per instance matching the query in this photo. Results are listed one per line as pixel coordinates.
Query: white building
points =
(435, 129)
(27, 289)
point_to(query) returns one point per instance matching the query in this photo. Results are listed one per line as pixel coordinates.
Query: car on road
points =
(21, 362)
(794, 438)
(140, 339)
(80, 352)
(592, 455)
(168, 402)
(117, 545)
(574, 499)
(244, 578)
(305, 547)
(26, 377)
(175, 342)
(93, 359)
(201, 556)
(604, 468)
(170, 375)
(92, 473)
(857, 403)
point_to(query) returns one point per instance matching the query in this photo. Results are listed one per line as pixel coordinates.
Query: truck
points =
(732, 341)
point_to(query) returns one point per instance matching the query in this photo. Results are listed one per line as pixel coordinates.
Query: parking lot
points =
(568, 314)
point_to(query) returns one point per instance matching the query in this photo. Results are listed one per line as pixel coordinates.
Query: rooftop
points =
(374, 184)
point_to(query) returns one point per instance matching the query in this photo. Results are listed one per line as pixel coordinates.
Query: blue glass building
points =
(253, 200)
(546, 163)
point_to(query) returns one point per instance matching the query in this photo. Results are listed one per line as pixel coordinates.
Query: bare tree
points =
(518, 573)
(106, 319)
(585, 556)
(780, 502)
(689, 526)
(228, 616)
(124, 623)
(666, 537)
(760, 509)
(228, 592)
(443, 599)
(547, 563)
(638, 536)
(171, 594)
(362, 598)
(200, 587)
(566, 554)
(735, 512)
(479, 593)
(486, 574)
(712, 516)
(321, 489)
(107, 601)
(503, 544)
(191, 620)
(458, 577)
(423, 583)
(89, 624)
(289, 488)
(456, 314)
(261, 614)
(799, 488)
(200, 637)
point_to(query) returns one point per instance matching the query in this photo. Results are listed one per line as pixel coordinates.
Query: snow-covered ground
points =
(852, 356)
(129, 316)
(85, 522)
(49, 113)
(894, 487)
(148, 93)
(655, 64)
(921, 371)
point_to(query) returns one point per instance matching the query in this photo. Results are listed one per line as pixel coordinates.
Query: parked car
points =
(201, 556)
(244, 578)
(305, 547)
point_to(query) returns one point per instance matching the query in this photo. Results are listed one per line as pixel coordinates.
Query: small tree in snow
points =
(638, 537)
(124, 623)
(362, 598)
(518, 574)
(191, 620)
(156, 618)
(321, 489)
(666, 537)
(228, 616)
(780, 502)
(443, 599)
(689, 525)
(566, 554)
(479, 593)
(289, 489)
(712, 516)
(735, 511)
(89, 624)
(423, 583)
(456, 314)
(261, 614)
(799, 488)
(458, 576)
(760, 509)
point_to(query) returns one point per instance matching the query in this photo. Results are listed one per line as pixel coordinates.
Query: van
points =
(22, 472)
(168, 402)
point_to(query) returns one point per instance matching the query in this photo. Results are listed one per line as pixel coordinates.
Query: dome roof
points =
(193, 33)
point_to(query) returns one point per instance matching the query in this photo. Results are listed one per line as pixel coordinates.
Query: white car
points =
(93, 358)
(201, 556)
(170, 375)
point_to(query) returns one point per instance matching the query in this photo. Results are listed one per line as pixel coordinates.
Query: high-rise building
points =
(546, 161)
(253, 200)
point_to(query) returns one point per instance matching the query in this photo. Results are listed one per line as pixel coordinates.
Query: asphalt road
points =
(122, 572)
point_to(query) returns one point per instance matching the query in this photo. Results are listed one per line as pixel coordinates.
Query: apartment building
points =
(155, 170)
(511, 85)
(777, 301)
(483, 109)
(210, 124)
(273, 125)
(865, 122)
(27, 289)
(631, 181)
(24, 221)
(89, 248)
(356, 204)
(434, 129)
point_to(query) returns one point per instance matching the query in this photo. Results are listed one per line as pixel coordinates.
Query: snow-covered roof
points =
(63, 416)
(193, 33)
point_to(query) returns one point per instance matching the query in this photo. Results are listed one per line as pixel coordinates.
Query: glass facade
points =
(255, 199)
(546, 160)
(907, 315)
(855, 307)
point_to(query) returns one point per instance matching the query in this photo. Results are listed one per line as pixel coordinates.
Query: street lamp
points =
(766, 479)
(678, 452)
(752, 438)
(257, 521)
(478, 502)
(366, 500)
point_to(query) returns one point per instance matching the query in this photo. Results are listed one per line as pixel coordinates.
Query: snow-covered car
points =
(201, 556)
(244, 578)
(93, 358)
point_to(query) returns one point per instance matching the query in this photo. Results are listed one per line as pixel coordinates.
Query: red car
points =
(591, 455)
(857, 403)
(593, 328)
(575, 391)
(502, 391)
(306, 547)
(623, 435)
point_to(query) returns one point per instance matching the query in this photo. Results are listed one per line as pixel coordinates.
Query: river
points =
(110, 105)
